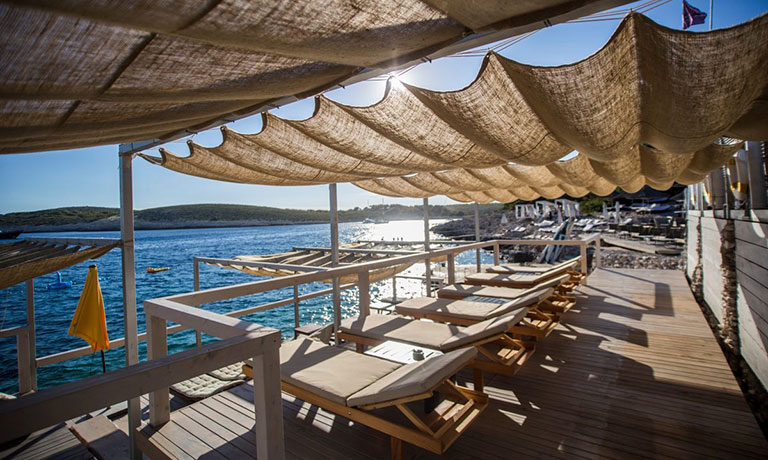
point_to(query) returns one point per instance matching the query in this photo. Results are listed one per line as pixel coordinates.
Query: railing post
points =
(757, 193)
(583, 261)
(296, 321)
(22, 358)
(334, 214)
(198, 335)
(496, 258)
(268, 404)
(451, 269)
(394, 289)
(477, 236)
(598, 251)
(427, 261)
(157, 347)
(30, 285)
(364, 290)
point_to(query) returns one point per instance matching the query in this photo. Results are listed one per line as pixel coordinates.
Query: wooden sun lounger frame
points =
(434, 432)
(512, 354)
(537, 323)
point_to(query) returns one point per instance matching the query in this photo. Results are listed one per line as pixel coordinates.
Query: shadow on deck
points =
(632, 372)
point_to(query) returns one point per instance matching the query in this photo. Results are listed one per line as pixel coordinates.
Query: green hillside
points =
(201, 215)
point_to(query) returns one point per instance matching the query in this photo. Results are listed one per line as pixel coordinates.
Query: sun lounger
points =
(543, 271)
(353, 385)
(556, 302)
(536, 322)
(499, 353)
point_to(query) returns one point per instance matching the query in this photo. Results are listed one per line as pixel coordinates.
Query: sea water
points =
(176, 249)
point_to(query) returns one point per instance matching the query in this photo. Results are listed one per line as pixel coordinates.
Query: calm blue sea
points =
(176, 249)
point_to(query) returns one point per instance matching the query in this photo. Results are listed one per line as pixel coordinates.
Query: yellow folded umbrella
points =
(89, 322)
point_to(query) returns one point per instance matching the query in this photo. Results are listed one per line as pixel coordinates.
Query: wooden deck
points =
(633, 371)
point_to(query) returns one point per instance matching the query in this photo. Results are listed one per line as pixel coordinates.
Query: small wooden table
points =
(400, 352)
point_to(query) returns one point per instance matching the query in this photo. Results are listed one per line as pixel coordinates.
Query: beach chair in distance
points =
(355, 386)
(541, 272)
(497, 351)
(536, 323)
(557, 302)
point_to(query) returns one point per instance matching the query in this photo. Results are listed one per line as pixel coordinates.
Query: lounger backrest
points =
(484, 329)
(413, 379)
(525, 301)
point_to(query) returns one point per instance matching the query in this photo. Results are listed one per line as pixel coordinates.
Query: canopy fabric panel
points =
(78, 73)
(646, 109)
(25, 260)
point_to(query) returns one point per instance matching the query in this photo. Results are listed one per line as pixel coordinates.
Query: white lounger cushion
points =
(330, 372)
(438, 336)
(514, 268)
(413, 378)
(333, 373)
(468, 309)
(466, 290)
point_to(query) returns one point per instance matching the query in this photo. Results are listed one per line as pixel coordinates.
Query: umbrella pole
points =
(103, 363)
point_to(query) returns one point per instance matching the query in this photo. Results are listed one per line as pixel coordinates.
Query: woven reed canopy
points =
(646, 109)
(25, 260)
(77, 73)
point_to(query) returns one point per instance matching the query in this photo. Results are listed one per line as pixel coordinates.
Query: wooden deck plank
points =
(632, 372)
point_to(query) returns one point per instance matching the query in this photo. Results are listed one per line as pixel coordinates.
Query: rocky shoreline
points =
(490, 228)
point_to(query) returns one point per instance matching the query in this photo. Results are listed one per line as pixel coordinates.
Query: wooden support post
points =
(598, 252)
(394, 289)
(22, 358)
(427, 262)
(32, 364)
(496, 254)
(198, 335)
(335, 258)
(296, 320)
(583, 261)
(451, 269)
(268, 405)
(477, 236)
(364, 289)
(157, 347)
(758, 196)
(129, 288)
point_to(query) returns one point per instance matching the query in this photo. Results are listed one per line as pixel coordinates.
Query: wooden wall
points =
(752, 300)
(751, 277)
(711, 262)
(692, 243)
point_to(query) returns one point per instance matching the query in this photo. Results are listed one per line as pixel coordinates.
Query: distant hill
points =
(88, 218)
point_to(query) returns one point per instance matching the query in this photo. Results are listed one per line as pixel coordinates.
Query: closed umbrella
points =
(89, 322)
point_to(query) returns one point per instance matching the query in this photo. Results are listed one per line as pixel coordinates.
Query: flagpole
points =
(711, 3)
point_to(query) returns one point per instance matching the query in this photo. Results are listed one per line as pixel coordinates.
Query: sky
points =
(89, 176)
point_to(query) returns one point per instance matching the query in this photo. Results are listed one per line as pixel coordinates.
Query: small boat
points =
(380, 221)
(368, 220)
(158, 269)
(9, 235)
(60, 284)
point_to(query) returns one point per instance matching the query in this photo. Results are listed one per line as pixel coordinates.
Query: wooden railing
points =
(23, 355)
(241, 340)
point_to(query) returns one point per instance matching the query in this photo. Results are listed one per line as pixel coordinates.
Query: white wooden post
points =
(427, 262)
(583, 261)
(157, 347)
(129, 289)
(296, 320)
(496, 255)
(268, 405)
(198, 335)
(598, 251)
(758, 198)
(22, 359)
(477, 234)
(394, 289)
(364, 289)
(335, 257)
(451, 268)
(32, 362)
